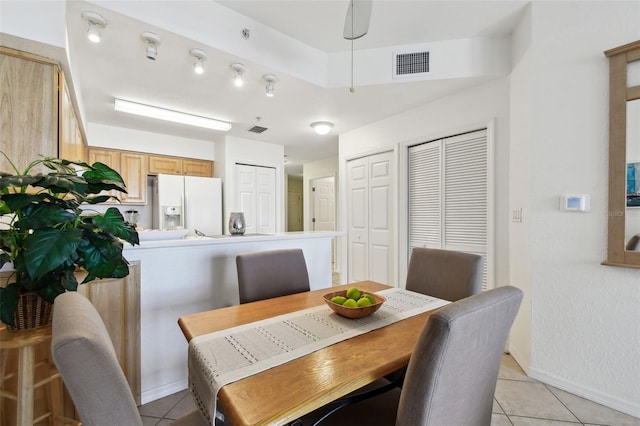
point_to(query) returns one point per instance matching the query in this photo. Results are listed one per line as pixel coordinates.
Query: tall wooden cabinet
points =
(37, 117)
(70, 141)
(28, 108)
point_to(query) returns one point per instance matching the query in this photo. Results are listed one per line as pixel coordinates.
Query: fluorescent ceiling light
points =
(169, 115)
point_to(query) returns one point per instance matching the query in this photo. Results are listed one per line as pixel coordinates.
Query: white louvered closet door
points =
(449, 196)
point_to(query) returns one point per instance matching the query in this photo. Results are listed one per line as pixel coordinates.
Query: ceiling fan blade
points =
(356, 24)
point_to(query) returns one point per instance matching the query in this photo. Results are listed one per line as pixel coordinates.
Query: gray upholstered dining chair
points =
(85, 357)
(453, 370)
(273, 273)
(445, 274)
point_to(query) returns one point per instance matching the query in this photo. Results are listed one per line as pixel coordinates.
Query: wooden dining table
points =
(285, 393)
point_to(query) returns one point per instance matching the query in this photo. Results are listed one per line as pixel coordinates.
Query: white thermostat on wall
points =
(575, 203)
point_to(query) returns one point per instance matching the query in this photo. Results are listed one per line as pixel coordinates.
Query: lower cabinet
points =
(118, 302)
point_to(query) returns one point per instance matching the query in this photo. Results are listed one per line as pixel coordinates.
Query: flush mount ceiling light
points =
(322, 127)
(238, 74)
(152, 42)
(170, 115)
(95, 23)
(199, 56)
(270, 79)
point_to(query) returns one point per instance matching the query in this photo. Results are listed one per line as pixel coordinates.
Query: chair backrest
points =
(452, 373)
(445, 274)
(274, 273)
(87, 362)
(634, 243)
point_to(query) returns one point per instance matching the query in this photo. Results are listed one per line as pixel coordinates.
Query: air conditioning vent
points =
(410, 64)
(257, 129)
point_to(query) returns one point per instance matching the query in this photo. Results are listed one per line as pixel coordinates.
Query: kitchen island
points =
(183, 276)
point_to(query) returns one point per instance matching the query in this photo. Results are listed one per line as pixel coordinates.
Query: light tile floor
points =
(519, 401)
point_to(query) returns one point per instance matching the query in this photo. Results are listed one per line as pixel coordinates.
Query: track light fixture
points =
(238, 74)
(152, 42)
(270, 79)
(322, 127)
(199, 56)
(95, 23)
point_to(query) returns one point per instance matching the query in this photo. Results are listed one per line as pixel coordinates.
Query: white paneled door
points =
(370, 211)
(324, 204)
(256, 197)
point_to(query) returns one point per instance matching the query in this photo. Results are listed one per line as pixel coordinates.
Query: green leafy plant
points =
(47, 236)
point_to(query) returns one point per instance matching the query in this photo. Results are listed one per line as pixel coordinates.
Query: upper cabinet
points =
(179, 166)
(28, 108)
(132, 166)
(135, 166)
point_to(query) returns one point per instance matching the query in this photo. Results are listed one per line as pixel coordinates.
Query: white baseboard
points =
(162, 391)
(628, 407)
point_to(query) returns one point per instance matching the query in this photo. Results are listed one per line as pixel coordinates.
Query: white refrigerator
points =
(188, 202)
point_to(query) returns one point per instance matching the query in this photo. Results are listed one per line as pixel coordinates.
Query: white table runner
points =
(222, 357)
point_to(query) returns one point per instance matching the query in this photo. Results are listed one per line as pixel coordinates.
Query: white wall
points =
(467, 110)
(100, 135)
(247, 151)
(585, 324)
(520, 186)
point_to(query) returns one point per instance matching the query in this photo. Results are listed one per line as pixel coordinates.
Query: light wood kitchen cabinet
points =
(180, 166)
(193, 167)
(133, 169)
(162, 164)
(132, 166)
(70, 141)
(110, 158)
(118, 303)
(28, 108)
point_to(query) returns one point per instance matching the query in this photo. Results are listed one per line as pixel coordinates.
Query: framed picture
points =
(633, 185)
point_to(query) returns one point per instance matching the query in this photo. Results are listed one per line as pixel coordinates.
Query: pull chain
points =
(352, 89)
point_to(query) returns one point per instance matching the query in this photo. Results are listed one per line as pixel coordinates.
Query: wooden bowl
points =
(353, 313)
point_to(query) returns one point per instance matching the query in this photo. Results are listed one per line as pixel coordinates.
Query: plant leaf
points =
(68, 280)
(4, 258)
(103, 178)
(19, 201)
(45, 216)
(51, 291)
(100, 254)
(63, 183)
(112, 222)
(14, 181)
(98, 199)
(47, 249)
(8, 303)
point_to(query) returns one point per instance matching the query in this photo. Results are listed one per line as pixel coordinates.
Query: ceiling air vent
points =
(257, 129)
(410, 64)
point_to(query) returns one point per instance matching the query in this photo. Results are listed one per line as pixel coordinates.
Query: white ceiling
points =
(117, 67)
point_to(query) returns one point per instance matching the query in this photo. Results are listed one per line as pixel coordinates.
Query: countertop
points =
(231, 239)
